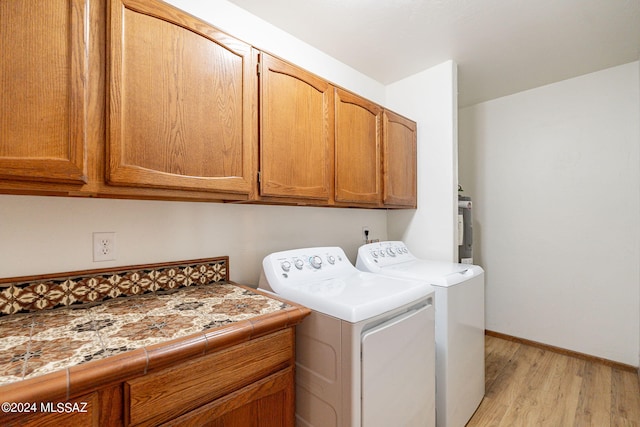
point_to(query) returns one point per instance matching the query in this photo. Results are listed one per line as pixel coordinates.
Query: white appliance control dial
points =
(315, 261)
(391, 252)
(286, 266)
(298, 263)
(331, 259)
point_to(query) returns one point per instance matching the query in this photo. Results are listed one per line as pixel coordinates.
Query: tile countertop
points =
(63, 352)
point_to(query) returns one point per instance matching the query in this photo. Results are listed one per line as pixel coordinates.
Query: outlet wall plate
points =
(104, 246)
(366, 234)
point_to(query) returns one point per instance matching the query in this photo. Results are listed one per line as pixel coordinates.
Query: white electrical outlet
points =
(366, 234)
(104, 246)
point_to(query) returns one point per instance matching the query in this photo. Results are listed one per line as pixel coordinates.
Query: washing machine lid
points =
(435, 272)
(336, 287)
(394, 259)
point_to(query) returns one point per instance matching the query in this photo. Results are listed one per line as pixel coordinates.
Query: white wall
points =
(41, 235)
(430, 98)
(555, 177)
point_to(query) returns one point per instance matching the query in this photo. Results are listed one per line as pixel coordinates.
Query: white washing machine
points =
(366, 354)
(459, 300)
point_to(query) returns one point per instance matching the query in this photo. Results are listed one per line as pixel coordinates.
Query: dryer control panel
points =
(302, 266)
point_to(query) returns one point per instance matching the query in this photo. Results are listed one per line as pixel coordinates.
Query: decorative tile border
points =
(28, 294)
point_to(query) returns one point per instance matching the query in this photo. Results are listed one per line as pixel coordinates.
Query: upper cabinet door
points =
(296, 119)
(182, 98)
(43, 95)
(358, 134)
(399, 142)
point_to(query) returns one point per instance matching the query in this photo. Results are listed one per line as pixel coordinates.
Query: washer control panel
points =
(384, 253)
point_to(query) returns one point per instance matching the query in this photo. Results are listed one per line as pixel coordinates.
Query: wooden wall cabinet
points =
(358, 168)
(375, 155)
(138, 99)
(296, 133)
(43, 87)
(399, 160)
(181, 97)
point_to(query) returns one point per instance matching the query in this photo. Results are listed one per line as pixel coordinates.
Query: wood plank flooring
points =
(530, 386)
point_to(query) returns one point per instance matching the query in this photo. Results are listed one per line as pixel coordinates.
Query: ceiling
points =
(501, 46)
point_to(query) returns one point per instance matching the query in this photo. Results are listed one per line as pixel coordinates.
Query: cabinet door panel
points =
(297, 132)
(181, 101)
(358, 148)
(43, 87)
(165, 394)
(399, 160)
(83, 411)
(268, 402)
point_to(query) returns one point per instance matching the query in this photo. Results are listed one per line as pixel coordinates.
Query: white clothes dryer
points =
(459, 300)
(365, 356)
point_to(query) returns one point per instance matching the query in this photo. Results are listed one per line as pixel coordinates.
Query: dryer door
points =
(398, 371)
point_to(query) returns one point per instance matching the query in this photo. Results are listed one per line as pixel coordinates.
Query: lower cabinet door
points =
(82, 411)
(268, 402)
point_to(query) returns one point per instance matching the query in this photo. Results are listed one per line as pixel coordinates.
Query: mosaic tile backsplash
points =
(69, 290)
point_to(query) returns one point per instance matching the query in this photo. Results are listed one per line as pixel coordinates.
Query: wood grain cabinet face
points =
(399, 154)
(296, 145)
(96, 409)
(43, 75)
(182, 100)
(265, 403)
(173, 392)
(184, 111)
(358, 166)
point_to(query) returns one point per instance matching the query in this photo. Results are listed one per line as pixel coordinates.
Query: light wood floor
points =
(529, 386)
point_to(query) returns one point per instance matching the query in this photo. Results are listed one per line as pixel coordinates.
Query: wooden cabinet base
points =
(169, 393)
(266, 403)
(247, 384)
(97, 409)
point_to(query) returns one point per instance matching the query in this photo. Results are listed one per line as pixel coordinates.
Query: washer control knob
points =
(375, 254)
(298, 263)
(286, 265)
(315, 261)
(331, 259)
(391, 252)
